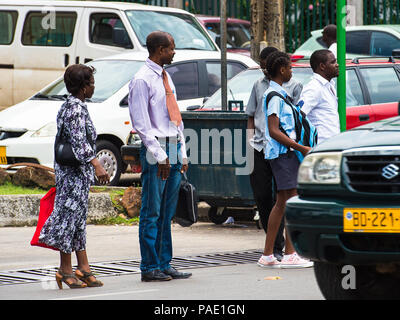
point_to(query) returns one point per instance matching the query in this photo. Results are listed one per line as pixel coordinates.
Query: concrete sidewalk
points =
(106, 243)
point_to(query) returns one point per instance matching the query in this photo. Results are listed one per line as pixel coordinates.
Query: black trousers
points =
(261, 180)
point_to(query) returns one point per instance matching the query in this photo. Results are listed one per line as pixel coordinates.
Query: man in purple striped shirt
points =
(163, 159)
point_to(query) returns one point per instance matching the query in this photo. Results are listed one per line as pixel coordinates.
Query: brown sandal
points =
(84, 276)
(62, 277)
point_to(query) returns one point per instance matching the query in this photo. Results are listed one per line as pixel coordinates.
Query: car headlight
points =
(49, 130)
(320, 168)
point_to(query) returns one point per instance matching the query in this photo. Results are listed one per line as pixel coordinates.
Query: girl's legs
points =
(274, 222)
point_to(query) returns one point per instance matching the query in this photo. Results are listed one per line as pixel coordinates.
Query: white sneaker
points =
(269, 262)
(295, 261)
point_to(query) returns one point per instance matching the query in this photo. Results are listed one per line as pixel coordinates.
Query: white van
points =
(39, 39)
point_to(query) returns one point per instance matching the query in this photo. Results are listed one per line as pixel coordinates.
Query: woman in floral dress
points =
(65, 229)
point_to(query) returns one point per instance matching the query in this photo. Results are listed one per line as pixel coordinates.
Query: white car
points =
(27, 129)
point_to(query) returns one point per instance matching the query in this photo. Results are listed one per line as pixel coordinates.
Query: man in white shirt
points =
(329, 37)
(319, 95)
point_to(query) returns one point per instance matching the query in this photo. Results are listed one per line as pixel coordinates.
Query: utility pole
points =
(341, 58)
(274, 22)
(224, 84)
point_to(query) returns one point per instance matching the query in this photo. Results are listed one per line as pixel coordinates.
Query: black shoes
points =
(168, 274)
(155, 275)
(176, 274)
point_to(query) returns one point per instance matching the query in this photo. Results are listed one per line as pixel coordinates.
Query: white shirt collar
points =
(321, 79)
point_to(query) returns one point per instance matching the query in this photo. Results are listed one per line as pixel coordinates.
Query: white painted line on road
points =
(106, 294)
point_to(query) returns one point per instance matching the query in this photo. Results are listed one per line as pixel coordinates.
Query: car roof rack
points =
(389, 58)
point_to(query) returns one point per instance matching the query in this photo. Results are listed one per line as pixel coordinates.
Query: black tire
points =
(111, 160)
(217, 218)
(369, 284)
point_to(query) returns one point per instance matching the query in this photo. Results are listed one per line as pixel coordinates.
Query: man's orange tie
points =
(172, 105)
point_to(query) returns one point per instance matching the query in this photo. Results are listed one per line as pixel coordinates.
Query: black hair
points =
(275, 61)
(266, 52)
(318, 57)
(330, 31)
(157, 39)
(77, 76)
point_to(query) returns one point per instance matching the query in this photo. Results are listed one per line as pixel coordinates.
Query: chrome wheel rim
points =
(109, 162)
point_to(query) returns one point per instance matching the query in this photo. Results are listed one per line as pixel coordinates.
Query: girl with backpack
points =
(280, 151)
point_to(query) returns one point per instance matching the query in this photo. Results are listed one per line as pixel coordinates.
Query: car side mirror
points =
(192, 108)
(205, 99)
(124, 102)
(396, 53)
(235, 104)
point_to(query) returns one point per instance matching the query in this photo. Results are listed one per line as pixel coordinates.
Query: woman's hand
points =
(100, 172)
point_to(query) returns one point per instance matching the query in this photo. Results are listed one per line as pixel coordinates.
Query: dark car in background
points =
(346, 217)
(238, 33)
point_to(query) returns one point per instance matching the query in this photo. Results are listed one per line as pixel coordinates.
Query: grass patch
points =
(119, 220)
(116, 197)
(8, 188)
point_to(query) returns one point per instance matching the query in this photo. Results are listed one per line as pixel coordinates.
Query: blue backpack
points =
(306, 133)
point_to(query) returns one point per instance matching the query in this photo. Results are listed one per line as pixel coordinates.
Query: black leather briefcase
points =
(186, 210)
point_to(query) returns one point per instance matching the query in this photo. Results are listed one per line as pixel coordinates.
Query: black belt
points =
(172, 139)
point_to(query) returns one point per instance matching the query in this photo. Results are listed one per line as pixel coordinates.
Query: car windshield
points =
(184, 28)
(239, 87)
(238, 34)
(110, 76)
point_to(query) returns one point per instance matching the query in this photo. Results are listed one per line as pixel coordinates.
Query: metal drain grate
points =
(122, 267)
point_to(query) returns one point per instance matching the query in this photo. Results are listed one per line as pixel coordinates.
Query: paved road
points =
(231, 281)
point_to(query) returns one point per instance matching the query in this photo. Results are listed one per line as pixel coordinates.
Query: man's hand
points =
(163, 169)
(185, 165)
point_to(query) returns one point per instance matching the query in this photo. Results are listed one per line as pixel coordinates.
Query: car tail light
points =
(136, 168)
(295, 58)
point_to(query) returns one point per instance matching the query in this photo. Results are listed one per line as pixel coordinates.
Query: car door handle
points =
(66, 59)
(364, 117)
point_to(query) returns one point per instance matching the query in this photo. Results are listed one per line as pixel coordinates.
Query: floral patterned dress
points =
(65, 229)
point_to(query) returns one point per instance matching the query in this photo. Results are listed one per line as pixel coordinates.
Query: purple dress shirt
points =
(148, 109)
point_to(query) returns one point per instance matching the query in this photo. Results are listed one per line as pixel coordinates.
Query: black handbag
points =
(186, 210)
(63, 153)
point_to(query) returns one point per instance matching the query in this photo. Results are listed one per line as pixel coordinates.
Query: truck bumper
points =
(316, 230)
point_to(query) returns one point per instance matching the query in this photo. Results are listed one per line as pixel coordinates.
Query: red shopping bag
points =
(46, 208)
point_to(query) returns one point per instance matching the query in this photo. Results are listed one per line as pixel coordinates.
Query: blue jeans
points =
(159, 201)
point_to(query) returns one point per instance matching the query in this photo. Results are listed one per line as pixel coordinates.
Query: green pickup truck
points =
(346, 217)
